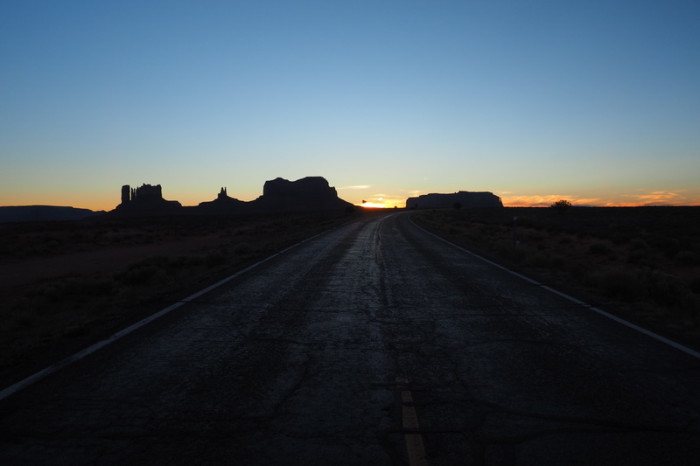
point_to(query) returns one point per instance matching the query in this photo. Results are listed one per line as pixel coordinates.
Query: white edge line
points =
(26, 382)
(671, 343)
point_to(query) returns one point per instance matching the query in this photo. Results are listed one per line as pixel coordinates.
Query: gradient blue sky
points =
(594, 101)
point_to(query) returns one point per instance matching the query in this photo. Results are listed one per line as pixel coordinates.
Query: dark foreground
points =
(373, 344)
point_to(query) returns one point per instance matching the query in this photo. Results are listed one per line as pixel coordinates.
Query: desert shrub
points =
(666, 289)
(600, 249)
(183, 262)
(77, 288)
(214, 259)
(61, 290)
(576, 272)
(631, 285)
(669, 246)
(512, 253)
(26, 321)
(565, 240)
(241, 249)
(536, 237)
(618, 239)
(104, 287)
(694, 285)
(542, 259)
(641, 258)
(142, 272)
(74, 289)
(637, 244)
(562, 206)
(687, 258)
(75, 330)
(137, 275)
(31, 304)
(619, 283)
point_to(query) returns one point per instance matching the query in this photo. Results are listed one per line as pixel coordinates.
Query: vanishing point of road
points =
(373, 344)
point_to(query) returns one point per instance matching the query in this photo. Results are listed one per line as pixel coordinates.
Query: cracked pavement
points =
(304, 359)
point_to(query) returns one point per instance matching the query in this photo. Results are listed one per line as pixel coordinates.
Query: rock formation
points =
(223, 204)
(279, 195)
(43, 213)
(461, 199)
(146, 199)
(307, 194)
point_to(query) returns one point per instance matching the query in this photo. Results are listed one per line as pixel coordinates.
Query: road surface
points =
(374, 343)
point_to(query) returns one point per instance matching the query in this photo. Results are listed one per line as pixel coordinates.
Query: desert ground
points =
(68, 284)
(642, 263)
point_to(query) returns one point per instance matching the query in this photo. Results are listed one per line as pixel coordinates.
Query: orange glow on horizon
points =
(373, 205)
(653, 198)
(109, 200)
(380, 203)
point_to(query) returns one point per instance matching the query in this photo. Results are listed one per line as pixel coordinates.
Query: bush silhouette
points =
(561, 206)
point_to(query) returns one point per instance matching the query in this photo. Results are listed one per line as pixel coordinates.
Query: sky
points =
(595, 101)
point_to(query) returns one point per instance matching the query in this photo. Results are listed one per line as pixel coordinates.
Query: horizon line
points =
(391, 207)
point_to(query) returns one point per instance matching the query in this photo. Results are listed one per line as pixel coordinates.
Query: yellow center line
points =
(415, 447)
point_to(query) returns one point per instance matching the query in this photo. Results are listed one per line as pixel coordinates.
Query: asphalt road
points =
(375, 343)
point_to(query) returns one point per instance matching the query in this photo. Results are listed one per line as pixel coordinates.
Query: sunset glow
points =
(380, 201)
(624, 200)
(593, 102)
(374, 205)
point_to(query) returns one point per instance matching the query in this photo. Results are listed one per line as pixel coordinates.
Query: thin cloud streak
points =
(545, 200)
(670, 198)
(415, 192)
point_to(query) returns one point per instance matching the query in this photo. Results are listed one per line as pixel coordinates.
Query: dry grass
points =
(67, 284)
(639, 262)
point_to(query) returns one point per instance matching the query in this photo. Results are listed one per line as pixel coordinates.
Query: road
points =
(372, 344)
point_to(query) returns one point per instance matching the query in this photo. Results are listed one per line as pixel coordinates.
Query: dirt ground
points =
(67, 284)
(642, 263)
(16, 274)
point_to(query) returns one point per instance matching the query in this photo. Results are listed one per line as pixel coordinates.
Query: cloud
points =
(660, 198)
(652, 198)
(547, 200)
(357, 186)
(533, 200)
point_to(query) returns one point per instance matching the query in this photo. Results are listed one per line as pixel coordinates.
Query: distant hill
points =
(310, 194)
(43, 213)
(461, 199)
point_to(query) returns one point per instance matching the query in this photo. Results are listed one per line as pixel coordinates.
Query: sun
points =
(383, 203)
(374, 205)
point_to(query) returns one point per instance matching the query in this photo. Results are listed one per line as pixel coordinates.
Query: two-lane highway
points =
(375, 343)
